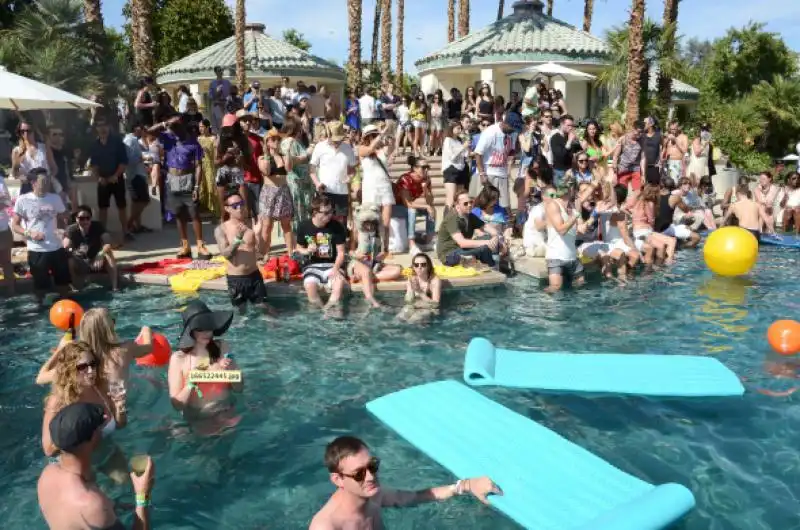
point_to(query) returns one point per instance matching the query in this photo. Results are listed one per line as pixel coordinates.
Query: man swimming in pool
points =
(359, 498)
(746, 210)
(68, 496)
(237, 244)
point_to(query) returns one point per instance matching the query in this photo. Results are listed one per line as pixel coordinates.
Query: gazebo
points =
(267, 60)
(524, 38)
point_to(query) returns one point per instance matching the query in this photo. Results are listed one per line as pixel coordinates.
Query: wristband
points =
(142, 501)
(238, 241)
(194, 387)
(458, 487)
(99, 255)
(27, 233)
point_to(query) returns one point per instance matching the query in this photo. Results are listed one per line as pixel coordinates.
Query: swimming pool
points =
(307, 381)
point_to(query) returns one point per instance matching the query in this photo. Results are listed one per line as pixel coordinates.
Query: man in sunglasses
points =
(89, 247)
(455, 236)
(359, 497)
(321, 240)
(237, 244)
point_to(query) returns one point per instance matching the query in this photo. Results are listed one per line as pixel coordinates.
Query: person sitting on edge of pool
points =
(359, 497)
(79, 378)
(89, 247)
(68, 496)
(321, 240)
(98, 330)
(198, 350)
(368, 265)
(423, 291)
(455, 236)
(237, 243)
(747, 211)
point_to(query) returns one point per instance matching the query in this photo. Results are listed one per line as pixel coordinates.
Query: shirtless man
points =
(68, 496)
(746, 210)
(676, 144)
(237, 244)
(359, 498)
(765, 194)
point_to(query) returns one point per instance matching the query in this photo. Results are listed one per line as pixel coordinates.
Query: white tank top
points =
(610, 231)
(28, 162)
(558, 246)
(794, 198)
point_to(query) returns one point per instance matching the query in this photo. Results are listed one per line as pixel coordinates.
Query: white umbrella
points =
(20, 93)
(551, 70)
(791, 158)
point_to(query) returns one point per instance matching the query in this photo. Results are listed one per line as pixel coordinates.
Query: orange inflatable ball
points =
(784, 337)
(160, 354)
(62, 310)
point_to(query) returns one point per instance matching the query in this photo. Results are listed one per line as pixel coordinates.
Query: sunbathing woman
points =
(652, 245)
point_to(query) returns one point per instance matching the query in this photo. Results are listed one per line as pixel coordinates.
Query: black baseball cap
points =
(75, 425)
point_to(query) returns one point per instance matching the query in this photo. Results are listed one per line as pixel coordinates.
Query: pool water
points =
(307, 381)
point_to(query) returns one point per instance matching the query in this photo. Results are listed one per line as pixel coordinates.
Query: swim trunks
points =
(247, 288)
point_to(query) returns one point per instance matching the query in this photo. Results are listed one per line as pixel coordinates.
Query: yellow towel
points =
(458, 271)
(191, 280)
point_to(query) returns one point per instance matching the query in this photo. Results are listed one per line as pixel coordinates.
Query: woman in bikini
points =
(78, 378)
(199, 350)
(423, 291)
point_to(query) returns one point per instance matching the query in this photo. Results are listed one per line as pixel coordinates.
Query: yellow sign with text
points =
(215, 376)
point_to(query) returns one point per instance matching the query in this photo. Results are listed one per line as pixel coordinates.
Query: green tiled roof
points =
(264, 56)
(680, 91)
(527, 35)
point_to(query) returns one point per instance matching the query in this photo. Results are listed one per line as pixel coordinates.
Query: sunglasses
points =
(466, 203)
(84, 218)
(82, 367)
(325, 212)
(582, 161)
(424, 167)
(25, 130)
(359, 475)
(420, 265)
(236, 205)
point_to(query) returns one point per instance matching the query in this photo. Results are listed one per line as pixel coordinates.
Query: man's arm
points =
(480, 488)
(555, 219)
(227, 250)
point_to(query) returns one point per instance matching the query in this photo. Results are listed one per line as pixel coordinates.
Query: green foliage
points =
(745, 57)
(182, 27)
(296, 39)
(371, 77)
(10, 10)
(610, 115)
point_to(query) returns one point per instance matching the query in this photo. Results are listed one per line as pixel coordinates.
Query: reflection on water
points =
(724, 306)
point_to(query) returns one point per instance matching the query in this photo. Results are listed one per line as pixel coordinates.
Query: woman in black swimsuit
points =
(144, 103)
(486, 104)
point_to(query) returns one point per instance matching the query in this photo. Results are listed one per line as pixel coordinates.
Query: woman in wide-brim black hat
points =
(199, 349)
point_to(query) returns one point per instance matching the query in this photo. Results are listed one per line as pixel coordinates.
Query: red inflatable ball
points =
(160, 354)
(784, 337)
(61, 312)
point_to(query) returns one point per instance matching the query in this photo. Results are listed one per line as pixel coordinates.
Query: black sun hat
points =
(198, 317)
(75, 424)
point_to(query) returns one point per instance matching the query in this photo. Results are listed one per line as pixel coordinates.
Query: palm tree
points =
(668, 40)
(401, 8)
(241, 73)
(376, 25)
(142, 37)
(549, 8)
(463, 18)
(588, 10)
(354, 59)
(386, 41)
(635, 63)
(451, 20)
(500, 5)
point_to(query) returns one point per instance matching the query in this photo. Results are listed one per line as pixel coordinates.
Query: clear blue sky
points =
(324, 22)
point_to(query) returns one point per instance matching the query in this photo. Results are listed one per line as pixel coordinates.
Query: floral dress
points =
(299, 181)
(208, 188)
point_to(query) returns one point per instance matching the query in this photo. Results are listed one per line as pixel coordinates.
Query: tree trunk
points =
(635, 63)
(376, 26)
(588, 10)
(354, 73)
(549, 8)
(401, 8)
(451, 20)
(241, 73)
(98, 54)
(386, 42)
(142, 37)
(664, 88)
(500, 5)
(463, 18)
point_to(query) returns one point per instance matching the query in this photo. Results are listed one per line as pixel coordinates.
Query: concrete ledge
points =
(533, 267)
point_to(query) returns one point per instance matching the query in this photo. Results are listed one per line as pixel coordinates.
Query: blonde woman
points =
(609, 143)
(97, 329)
(78, 378)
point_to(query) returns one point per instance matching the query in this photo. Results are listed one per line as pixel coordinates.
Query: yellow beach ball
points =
(731, 251)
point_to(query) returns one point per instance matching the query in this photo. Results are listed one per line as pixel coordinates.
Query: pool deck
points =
(163, 245)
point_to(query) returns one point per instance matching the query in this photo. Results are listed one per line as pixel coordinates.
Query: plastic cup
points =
(139, 464)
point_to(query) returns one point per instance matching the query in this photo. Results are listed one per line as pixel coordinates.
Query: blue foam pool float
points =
(548, 482)
(782, 241)
(601, 373)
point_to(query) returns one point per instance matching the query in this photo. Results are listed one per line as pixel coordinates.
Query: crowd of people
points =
(293, 157)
